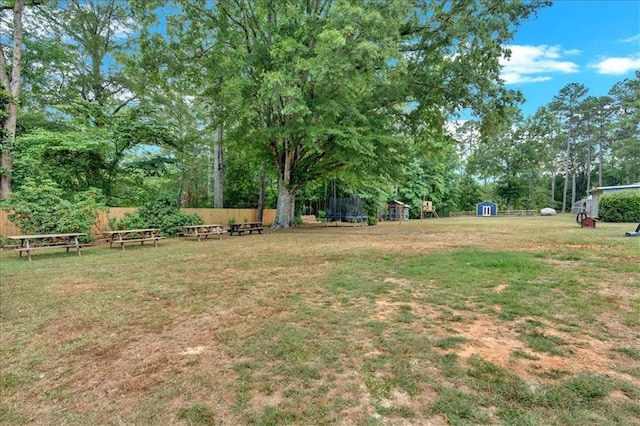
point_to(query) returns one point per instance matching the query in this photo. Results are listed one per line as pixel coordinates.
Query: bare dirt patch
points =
(501, 287)
(498, 342)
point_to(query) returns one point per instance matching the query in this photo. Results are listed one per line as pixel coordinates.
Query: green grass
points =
(519, 321)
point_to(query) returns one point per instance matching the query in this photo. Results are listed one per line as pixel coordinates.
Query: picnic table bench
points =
(132, 236)
(241, 228)
(199, 231)
(27, 243)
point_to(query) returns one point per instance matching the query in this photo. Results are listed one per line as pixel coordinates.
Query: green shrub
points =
(162, 213)
(154, 212)
(623, 206)
(172, 224)
(39, 208)
(130, 220)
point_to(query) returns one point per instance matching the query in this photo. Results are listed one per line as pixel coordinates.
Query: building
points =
(398, 211)
(486, 208)
(591, 203)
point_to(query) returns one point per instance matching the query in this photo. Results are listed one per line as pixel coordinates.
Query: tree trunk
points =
(209, 176)
(589, 164)
(218, 165)
(589, 161)
(181, 181)
(553, 189)
(573, 189)
(261, 197)
(566, 172)
(285, 214)
(600, 155)
(6, 159)
(12, 87)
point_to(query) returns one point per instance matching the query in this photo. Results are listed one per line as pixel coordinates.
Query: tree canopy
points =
(247, 102)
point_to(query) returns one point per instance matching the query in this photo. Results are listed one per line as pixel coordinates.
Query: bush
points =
(39, 208)
(129, 221)
(162, 213)
(172, 224)
(623, 206)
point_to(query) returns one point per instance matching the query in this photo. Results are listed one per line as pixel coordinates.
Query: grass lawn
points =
(521, 321)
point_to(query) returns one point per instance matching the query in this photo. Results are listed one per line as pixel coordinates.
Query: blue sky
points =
(593, 42)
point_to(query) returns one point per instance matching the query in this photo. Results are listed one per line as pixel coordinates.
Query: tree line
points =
(245, 103)
(574, 143)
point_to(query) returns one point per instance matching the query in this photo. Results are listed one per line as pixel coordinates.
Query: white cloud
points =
(123, 30)
(631, 39)
(531, 64)
(515, 78)
(617, 66)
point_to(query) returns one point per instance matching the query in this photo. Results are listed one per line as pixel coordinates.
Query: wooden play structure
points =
(428, 210)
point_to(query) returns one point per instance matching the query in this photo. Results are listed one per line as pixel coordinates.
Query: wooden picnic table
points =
(124, 236)
(42, 241)
(199, 231)
(242, 227)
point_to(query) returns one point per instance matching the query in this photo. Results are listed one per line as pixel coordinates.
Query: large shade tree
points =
(329, 84)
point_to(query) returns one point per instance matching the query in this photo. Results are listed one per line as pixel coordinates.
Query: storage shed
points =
(591, 204)
(486, 208)
(398, 211)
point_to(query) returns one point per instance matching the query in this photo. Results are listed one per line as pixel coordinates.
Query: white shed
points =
(596, 193)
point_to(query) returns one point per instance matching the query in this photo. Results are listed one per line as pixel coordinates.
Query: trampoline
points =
(344, 210)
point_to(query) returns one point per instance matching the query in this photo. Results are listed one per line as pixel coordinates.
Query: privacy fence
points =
(210, 216)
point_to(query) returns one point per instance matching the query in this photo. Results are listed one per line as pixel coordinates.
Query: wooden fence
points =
(500, 213)
(210, 216)
(462, 213)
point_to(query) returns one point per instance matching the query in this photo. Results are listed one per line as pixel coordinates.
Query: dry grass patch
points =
(466, 320)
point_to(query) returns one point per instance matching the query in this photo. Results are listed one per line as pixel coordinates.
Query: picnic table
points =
(199, 231)
(27, 243)
(242, 227)
(124, 236)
